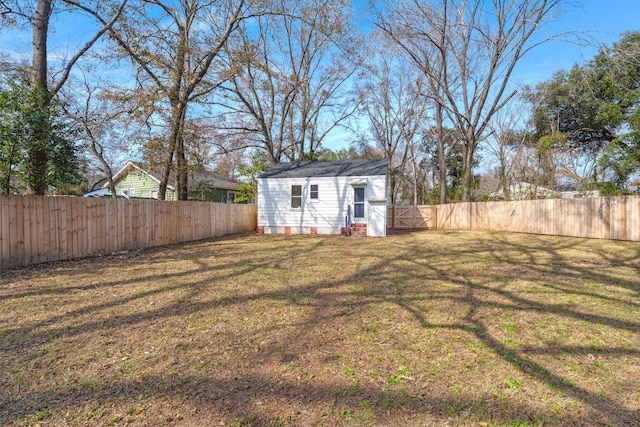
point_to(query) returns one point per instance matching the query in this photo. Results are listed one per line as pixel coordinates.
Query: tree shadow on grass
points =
(565, 269)
(321, 327)
(221, 400)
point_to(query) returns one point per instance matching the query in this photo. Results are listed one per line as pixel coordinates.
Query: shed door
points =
(377, 219)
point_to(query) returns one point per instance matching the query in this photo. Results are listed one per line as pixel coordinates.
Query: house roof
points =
(134, 166)
(212, 179)
(101, 192)
(327, 169)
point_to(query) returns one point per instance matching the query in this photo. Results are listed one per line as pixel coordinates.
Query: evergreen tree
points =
(27, 128)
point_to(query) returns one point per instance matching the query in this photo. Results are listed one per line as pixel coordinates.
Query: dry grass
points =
(431, 328)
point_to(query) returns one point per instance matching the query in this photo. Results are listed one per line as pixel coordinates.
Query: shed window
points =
(296, 196)
(358, 202)
(314, 191)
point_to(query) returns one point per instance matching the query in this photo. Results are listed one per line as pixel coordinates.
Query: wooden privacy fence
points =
(36, 229)
(412, 216)
(594, 217)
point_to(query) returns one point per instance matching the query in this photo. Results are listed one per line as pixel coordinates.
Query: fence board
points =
(52, 225)
(101, 226)
(633, 206)
(11, 232)
(619, 218)
(83, 235)
(4, 231)
(28, 226)
(36, 229)
(68, 219)
(597, 217)
(72, 228)
(19, 215)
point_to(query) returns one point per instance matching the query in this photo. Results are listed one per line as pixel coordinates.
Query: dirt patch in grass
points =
(430, 328)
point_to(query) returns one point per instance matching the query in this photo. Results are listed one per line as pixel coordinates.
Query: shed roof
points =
(327, 169)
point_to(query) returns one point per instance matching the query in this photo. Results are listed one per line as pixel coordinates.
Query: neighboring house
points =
(571, 191)
(212, 187)
(323, 197)
(521, 190)
(133, 182)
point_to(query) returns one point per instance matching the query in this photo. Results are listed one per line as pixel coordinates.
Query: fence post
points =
(607, 217)
(393, 216)
(414, 220)
(434, 215)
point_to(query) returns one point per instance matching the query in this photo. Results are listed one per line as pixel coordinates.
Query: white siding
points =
(327, 213)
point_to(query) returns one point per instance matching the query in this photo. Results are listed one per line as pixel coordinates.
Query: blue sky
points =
(598, 21)
(603, 20)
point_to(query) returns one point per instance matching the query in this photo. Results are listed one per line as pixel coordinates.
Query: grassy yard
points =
(429, 328)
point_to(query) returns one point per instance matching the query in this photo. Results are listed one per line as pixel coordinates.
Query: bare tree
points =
(175, 47)
(290, 72)
(393, 104)
(107, 127)
(94, 123)
(520, 156)
(445, 141)
(469, 49)
(508, 142)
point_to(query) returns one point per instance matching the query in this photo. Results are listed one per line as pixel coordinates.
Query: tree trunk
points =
(442, 178)
(442, 156)
(107, 170)
(182, 171)
(468, 150)
(40, 28)
(178, 114)
(502, 174)
(168, 165)
(37, 155)
(37, 172)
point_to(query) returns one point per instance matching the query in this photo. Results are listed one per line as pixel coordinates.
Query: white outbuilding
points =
(345, 196)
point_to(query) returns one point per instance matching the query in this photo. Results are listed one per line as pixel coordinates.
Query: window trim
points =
(128, 192)
(312, 192)
(296, 197)
(358, 203)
